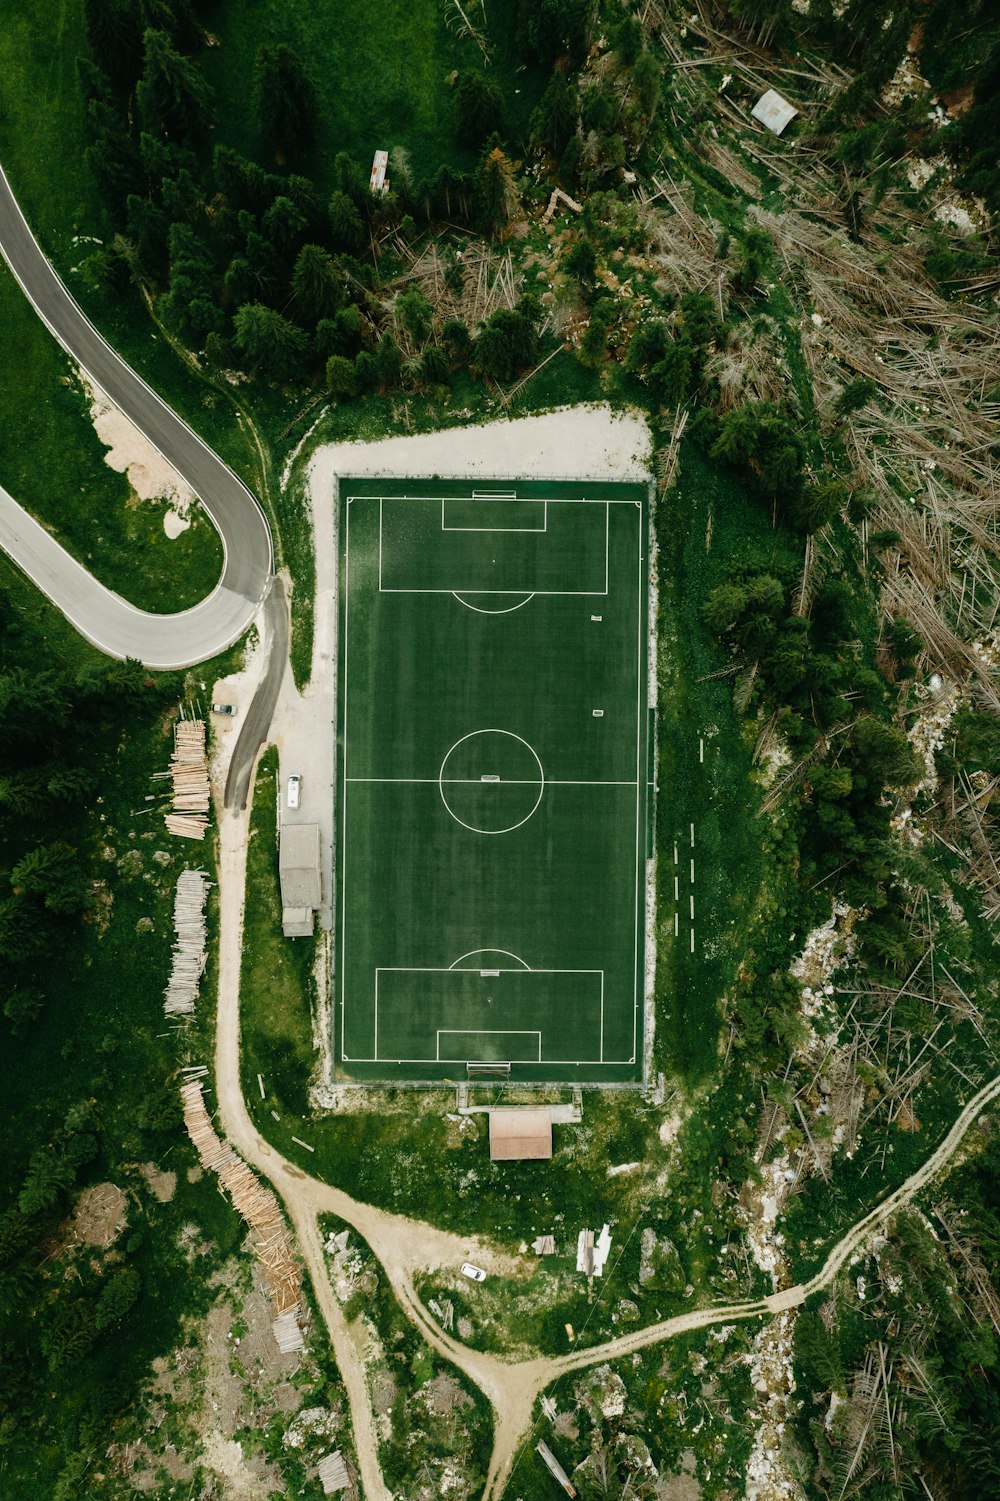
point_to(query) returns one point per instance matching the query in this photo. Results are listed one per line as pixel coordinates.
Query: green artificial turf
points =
(492, 825)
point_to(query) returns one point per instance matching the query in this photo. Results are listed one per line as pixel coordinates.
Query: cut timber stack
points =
(189, 942)
(189, 773)
(256, 1204)
(333, 1473)
(287, 1333)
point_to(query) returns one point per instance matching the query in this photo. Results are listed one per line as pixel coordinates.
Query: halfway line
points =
(478, 781)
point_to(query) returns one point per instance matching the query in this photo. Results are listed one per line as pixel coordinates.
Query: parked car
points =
(474, 1273)
(294, 788)
(223, 708)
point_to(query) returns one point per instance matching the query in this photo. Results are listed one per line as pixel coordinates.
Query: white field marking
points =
(343, 808)
(602, 1016)
(497, 495)
(642, 637)
(677, 888)
(555, 782)
(443, 780)
(510, 499)
(417, 969)
(692, 872)
(692, 940)
(557, 593)
(676, 924)
(607, 547)
(549, 1062)
(692, 909)
(475, 781)
(473, 952)
(692, 836)
(701, 750)
(485, 1032)
(507, 609)
(504, 594)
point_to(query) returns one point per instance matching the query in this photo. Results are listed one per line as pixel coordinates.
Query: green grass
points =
(276, 978)
(542, 867)
(382, 74)
(705, 524)
(41, 115)
(52, 461)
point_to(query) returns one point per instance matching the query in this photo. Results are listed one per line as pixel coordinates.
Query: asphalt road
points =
(163, 641)
(254, 729)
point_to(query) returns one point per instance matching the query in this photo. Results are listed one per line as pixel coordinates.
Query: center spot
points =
(491, 781)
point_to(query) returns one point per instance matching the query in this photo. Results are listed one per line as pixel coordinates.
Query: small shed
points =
(774, 111)
(520, 1134)
(377, 182)
(299, 874)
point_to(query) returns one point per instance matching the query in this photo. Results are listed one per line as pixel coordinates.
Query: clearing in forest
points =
(494, 754)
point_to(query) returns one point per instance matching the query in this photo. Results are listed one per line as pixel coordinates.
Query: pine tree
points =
(478, 109)
(555, 119)
(283, 223)
(115, 40)
(496, 194)
(286, 100)
(316, 286)
(172, 94)
(270, 342)
(345, 222)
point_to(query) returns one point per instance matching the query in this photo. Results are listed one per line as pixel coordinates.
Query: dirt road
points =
(405, 1246)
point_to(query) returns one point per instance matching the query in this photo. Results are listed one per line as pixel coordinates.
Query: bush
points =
(341, 377)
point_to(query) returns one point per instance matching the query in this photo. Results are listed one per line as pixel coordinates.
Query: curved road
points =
(110, 622)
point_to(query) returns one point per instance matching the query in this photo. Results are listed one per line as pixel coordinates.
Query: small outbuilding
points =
(520, 1134)
(299, 874)
(774, 111)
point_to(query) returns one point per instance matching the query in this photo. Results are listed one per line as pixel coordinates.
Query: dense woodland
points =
(285, 285)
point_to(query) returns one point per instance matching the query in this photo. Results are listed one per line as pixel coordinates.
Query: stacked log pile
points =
(257, 1205)
(189, 943)
(189, 774)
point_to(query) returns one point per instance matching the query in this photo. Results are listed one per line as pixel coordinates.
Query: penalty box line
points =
(464, 589)
(407, 969)
(511, 498)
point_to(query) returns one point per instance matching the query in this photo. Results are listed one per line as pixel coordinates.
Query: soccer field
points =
(492, 778)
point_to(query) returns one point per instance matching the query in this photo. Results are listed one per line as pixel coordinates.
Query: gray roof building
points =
(299, 874)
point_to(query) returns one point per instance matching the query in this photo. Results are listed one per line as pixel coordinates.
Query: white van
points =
(294, 788)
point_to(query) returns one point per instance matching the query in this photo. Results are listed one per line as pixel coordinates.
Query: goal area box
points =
(492, 775)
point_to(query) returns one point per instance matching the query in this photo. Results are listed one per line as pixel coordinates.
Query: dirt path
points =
(405, 1246)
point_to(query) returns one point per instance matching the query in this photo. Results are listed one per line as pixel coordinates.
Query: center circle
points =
(491, 781)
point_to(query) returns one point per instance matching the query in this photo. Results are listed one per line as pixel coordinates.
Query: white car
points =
(294, 788)
(474, 1273)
